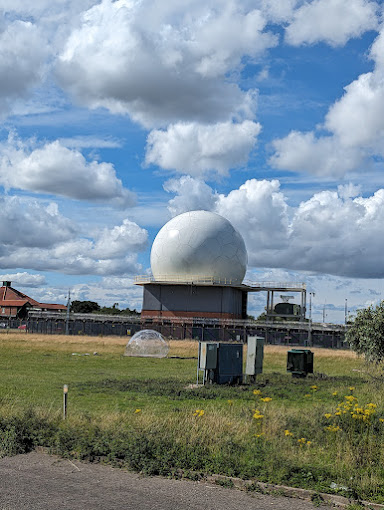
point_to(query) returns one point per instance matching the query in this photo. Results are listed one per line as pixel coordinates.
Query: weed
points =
(225, 482)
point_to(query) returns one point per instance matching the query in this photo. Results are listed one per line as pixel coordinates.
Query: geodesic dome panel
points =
(147, 343)
(199, 244)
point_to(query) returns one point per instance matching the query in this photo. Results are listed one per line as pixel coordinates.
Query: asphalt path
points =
(38, 481)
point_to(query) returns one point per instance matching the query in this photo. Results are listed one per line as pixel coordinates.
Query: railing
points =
(203, 321)
(210, 280)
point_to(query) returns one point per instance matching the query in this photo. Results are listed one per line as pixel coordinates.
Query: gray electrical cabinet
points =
(208, 355)
(255, 356)
(221, 362)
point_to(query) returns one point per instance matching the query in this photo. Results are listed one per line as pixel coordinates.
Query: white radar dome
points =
(199, 245)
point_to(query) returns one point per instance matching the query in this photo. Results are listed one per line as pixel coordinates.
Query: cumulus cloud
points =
(163, 64)
(355, 127)
(323, 156)
(24, 279)
(29, 224)
(197, 149)
(259, 210)
(56, 169)
(334, 232)
(39, 238)
(191, 194)
(331, 21)
(22, 60)
(115, 242)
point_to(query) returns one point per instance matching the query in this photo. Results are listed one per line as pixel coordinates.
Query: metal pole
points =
(67, 317)
(65, 401)
(346, 311)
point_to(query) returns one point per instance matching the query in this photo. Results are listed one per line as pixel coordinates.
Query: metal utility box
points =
(208, 355)
(221, 362)
(300, 362)
(255, 356)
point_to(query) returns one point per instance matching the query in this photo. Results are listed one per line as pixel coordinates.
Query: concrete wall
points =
(185, 300)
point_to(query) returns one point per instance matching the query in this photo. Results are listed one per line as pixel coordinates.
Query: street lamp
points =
(311, 294)
(346, 311)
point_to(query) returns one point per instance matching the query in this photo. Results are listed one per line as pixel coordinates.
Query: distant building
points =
(15, 305)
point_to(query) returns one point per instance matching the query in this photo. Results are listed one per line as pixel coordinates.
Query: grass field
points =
(324, 432)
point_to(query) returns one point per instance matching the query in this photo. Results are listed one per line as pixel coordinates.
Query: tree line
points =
(93, 307)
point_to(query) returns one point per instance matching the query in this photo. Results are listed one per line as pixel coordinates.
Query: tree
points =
(366, 333)
(84, 306)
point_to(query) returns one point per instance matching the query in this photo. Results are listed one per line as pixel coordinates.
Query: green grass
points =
(140, 413)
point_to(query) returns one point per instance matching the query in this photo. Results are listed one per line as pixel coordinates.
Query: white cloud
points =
(331, 21)
(163, 64)
(191, 194)
(29, 224)
(277, 11)
(38, 237)
(334, 232)
(55, 169)
(198, 149)
(259, 210)
(22, 60)
(356, 120)
(116, 242)
(93, 142)
(355, 125)
(24, 279)
(323, 156)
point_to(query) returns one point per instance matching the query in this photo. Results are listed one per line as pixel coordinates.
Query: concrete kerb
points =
(291, 492)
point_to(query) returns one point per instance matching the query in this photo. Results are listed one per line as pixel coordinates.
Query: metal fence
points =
(331, 336)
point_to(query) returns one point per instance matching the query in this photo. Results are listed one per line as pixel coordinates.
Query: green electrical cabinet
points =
(221, 362)
(300, 362)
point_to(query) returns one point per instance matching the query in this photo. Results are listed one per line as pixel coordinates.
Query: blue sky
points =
(116, 116)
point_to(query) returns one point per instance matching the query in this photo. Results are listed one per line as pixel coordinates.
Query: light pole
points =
(346, 311)
(311, 294)
(67, 316)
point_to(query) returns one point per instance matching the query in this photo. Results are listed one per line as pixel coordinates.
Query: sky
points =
(116, 116)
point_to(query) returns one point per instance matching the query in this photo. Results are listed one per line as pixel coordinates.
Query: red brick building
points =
(15, 305)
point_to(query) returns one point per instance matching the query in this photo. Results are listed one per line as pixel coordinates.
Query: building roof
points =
(12, 297)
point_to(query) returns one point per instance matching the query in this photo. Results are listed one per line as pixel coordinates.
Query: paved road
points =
(41, 482)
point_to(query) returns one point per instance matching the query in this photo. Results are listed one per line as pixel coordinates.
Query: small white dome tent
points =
(147, 343)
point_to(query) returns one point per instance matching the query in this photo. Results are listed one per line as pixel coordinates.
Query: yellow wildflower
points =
(381, 419)
(137, 411)
(302, 441)
(266, 399)
(256, 392)
(328, 415)
(314, 387)
(198, 412)
(258, 416)
(230, 402)
(309, 443)
(334, 394)
(289, 433)
(308, 395)
(333, 428)
(259, 435)
(351, 388)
